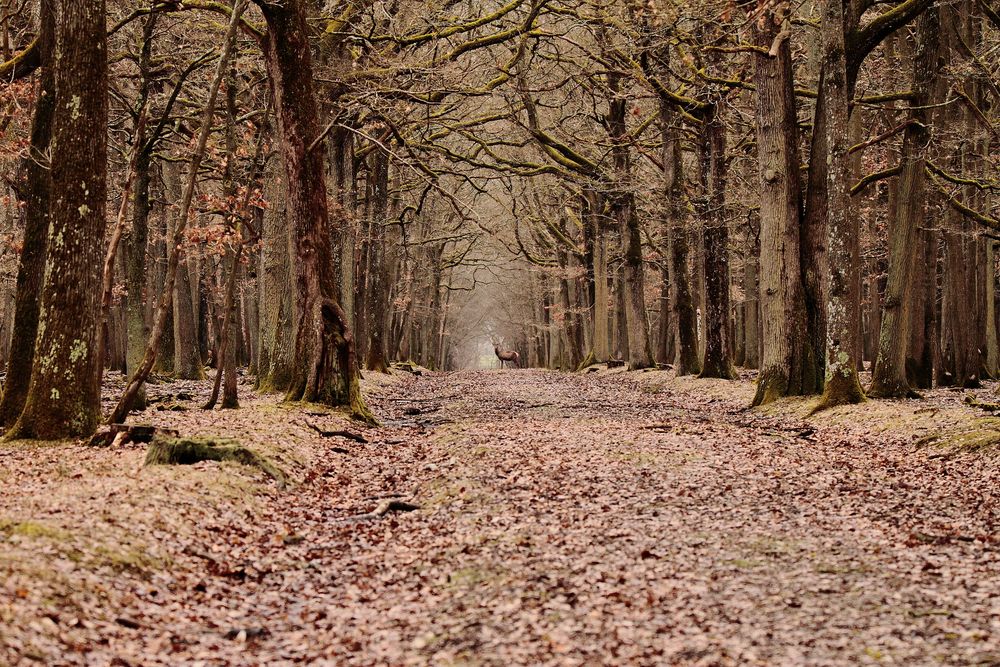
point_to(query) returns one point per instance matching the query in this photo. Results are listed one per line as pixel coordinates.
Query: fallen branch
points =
(383, 508)
(356, 437)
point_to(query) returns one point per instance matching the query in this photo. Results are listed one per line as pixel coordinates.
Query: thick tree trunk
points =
(64, 398)
(889, 376)
(663, 350)
(230, 334)
(751, 327)
(593, 215)
(922, 319)
(788, 365)
(165, 349)
(135, 241)
(188, 364)
(325, 368)
(33, 188)
(814, 235)
(842, 309)
(640, 352)
(277, 334)
(344, 188)
(989, 277)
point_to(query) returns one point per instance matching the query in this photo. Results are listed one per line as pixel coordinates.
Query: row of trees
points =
(311, 189)
(815, 185)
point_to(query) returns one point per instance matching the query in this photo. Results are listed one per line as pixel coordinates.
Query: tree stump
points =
(188, 451)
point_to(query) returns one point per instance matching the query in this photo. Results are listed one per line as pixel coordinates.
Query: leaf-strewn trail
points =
(564, 519)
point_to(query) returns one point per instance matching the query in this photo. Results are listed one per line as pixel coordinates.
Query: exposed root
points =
(356, 437)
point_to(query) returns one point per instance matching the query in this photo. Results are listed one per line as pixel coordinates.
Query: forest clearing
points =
(611, 518)
(507, 332)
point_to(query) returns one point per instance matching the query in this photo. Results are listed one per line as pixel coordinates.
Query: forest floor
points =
(564, 519)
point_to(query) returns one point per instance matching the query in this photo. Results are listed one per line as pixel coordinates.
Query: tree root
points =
(356, 437)
(588, 361)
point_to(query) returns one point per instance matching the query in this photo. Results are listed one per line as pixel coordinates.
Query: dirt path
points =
(583, 519)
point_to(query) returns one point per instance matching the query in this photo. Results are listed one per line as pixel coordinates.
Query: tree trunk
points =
(165, 349)
(751, 269)
(889, 376)
(135, 241)
(594, 219)
(992, 347)
(34, 189)
(325, 368)
(788, 366)
(842, 309)
(921, 320)
(188, 364)
(664, 330)
(277, 335)
(717, 362)
(378, 269)
(814, 236)
(64, 398)
(682, 313)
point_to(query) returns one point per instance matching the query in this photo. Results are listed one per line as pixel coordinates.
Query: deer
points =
(507, 355)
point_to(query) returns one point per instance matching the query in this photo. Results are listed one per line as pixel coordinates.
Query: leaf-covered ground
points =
(602, 518)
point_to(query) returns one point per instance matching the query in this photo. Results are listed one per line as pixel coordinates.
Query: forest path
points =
(571, 519)
(564, 519)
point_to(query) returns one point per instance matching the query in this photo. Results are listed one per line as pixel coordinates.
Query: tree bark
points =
(378, 267)
(277, 333)
(188, 364)
(751, 289)
(34, 189)
(843, 314)
(889, 376)
(325, 368)
(683, 318)
(64, 394)
(593, 215)
(135, 241)
(788, 365)
(717, 361)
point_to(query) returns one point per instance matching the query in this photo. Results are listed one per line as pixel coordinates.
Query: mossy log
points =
(971, 399)
(188, 451)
